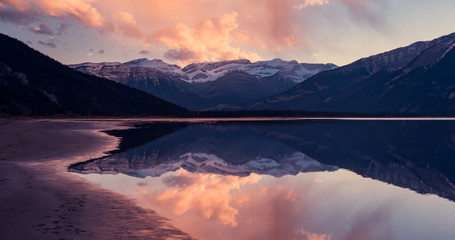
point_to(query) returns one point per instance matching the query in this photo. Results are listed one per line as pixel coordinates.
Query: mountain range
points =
(223, 85)
(34, 84)
(417, 79)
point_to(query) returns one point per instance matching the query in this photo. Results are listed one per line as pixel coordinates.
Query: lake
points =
(307, 179)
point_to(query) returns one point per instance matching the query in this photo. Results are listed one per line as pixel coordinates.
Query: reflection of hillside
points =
(418, 155)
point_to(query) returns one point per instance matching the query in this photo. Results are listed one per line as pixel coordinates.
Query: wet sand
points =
(39, 199)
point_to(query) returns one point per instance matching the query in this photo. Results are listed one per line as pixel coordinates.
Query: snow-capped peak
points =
(297, 72)
(294, 70)
(211, 71)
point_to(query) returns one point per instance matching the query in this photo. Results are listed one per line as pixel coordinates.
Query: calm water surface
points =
(290, 180)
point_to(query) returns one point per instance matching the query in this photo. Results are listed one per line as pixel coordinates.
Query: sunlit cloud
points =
(28, 10)
(81, 10)
(184, 31)
(314, 236)
(223, 31)
(209, 40)
(289, 40)
(127, 25)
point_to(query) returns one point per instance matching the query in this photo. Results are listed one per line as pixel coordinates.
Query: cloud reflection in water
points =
(323, 205)
(207, 195)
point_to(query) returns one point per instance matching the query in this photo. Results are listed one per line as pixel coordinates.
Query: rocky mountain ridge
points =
(223, 85)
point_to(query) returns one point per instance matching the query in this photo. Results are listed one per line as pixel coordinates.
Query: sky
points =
(186, 31)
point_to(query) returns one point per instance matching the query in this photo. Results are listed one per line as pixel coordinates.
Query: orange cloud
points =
(208, 195)
(78, 9)
(289, 40)
(314, 236)
(127, 25)
(210, 40)
(187, 31)
(81, 10)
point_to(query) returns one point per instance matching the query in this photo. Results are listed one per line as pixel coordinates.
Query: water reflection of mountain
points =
(419, 155)
(224, 149)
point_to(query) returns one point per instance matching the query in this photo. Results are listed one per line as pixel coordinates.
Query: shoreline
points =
(224, 119)
(40, 199)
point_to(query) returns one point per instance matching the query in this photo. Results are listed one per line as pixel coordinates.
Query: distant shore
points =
(221, 119)
(39, 199)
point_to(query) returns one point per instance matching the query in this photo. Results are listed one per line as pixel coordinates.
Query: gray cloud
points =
(11, 15)
(179, 54)
(370, 12)
(145, 52)
(47, 44)
(62, 28)
(43, 28)
(101, 51)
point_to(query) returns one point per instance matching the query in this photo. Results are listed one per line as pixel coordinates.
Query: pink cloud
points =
(209, 40)
(194, 31)
(274, 25)
(81, 10)
(126, 24)
(208, 195)
(281, 19)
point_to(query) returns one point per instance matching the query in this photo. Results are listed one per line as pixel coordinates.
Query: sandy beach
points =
(39, 199)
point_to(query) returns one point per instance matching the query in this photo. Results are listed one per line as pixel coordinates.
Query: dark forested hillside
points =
(34, 84)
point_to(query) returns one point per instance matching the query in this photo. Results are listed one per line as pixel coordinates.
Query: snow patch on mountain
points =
(156, 64)
(210, 71)
(297, 72)
(209, 163)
